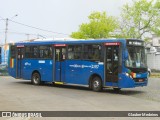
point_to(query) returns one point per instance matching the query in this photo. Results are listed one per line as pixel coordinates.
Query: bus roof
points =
(76, 41)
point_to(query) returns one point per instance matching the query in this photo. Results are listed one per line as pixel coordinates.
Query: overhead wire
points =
(39, 35)
(21, 33)
(33, 27)
(37, 28)
(12, 32)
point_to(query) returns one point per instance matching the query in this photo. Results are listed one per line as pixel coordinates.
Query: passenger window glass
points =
(74, 52)
(31, 52)
(34, 52)
(45, 51)
(28, 52)
(92, 52)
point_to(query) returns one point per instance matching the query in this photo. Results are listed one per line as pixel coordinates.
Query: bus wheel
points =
(36, 79)
(96, 84)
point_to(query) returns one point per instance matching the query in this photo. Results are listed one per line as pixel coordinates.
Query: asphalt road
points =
(21, 95)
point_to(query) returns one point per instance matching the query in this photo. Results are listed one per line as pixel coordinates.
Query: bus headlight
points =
(127, 74)
(131, 76)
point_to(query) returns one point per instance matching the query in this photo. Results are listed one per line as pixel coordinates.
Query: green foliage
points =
(156, 28)
(100, 26)
(140, 19)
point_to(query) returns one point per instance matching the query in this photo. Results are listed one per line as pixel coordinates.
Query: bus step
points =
(59, 83)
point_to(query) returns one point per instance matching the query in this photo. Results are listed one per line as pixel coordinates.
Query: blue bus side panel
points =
(115, 84)
(74, 72)
(79, 72)
(44, 67)
(12, 68)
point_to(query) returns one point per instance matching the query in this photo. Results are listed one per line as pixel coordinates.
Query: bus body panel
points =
(12, 67)
(79, 71)
(127, 82)
(111, 84)
(44, 67)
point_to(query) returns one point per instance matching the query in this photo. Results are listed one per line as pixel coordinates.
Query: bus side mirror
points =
(126, 54)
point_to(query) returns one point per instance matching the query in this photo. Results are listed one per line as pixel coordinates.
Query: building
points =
(153, 53)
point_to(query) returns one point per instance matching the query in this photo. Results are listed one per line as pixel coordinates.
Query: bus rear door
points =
(59, 64)
(111, 63)
(19, 58)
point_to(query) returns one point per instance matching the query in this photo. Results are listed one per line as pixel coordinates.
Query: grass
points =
(155, 75)
(3, 73)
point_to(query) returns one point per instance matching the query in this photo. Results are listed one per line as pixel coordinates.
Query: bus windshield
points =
(136, 57)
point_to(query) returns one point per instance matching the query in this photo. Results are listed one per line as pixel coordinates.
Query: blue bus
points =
(98, 64)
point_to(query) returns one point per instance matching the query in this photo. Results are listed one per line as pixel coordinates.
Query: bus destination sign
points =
(137, 43)
(112, 43)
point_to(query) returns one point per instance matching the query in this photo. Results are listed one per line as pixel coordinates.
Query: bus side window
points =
(45, 52)
(92, 52)
(70, 53)
(27, 52)
(74, 52)
(35, 51)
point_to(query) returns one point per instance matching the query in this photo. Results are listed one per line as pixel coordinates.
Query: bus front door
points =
(19, 57)
(59, 68)
(111, 63)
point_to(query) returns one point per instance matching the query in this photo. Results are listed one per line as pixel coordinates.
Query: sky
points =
(59, 17)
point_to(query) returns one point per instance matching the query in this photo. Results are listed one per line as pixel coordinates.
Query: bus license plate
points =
(140, 80)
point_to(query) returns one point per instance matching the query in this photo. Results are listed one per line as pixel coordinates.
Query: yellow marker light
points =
(60, 83)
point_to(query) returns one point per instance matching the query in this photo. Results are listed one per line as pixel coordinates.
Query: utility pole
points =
(27, 36)
(6, 30)
(5, 42)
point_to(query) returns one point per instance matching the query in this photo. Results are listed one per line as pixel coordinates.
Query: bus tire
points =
(96, 84)
(36, 79)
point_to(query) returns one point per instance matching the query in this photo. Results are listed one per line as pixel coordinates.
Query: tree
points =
(100, 26)
(156, 28)
(139, 19)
